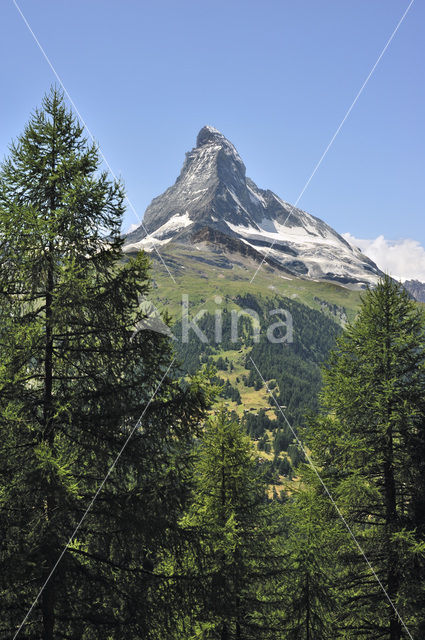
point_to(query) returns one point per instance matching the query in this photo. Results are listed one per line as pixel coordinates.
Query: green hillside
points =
(215, 285)
(205, 272)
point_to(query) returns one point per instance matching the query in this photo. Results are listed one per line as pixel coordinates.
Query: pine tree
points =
(233, 558)
(369, 442)
(75, 376)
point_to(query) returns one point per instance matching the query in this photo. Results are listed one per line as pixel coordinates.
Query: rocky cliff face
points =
(416, 289)
(212, 197)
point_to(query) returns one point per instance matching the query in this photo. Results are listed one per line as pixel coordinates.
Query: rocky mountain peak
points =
(209, 135)
(213, 199)
(213, 153)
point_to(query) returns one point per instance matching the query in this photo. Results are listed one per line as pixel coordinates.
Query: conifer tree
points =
(310, 599)
(233, 558)
(369, 442)
(75, 377)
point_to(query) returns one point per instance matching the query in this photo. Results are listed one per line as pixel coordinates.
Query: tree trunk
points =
(393, 576)
(395, 626)
(50, 551)
(224, 632)
(307, 621)
(48, 595)
(238, 617)
(48, 609)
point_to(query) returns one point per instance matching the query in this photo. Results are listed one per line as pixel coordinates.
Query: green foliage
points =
(294, 368)
(231, 392)
(282, 440)
(257, 424)
(234, 529)
(75, 377)
(221, 364)
(296, 455)
(184, 541)
(370, 444)
(310, 595)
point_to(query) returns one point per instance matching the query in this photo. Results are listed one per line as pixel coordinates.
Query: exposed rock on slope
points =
(416, 289)
(212, 200)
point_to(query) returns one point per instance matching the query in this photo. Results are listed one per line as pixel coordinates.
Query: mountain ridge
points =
(416, 288)
(213, 192)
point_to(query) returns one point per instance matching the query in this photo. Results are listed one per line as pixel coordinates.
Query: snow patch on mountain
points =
(163, 234)
(281, 233)
(214, 193)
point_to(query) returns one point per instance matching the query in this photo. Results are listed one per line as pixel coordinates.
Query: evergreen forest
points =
(140, 497)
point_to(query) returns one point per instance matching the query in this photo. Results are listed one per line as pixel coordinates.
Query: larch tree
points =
(310, 595)
(75, 376)
(232, 531)
(369, 444)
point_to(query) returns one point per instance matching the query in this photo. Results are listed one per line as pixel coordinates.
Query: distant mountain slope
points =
(294, 367)
(416, 288)
(213, 201)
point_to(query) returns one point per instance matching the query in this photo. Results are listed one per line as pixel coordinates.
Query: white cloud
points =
(402, 259)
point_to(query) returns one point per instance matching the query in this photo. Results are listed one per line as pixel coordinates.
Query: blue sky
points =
(275, 77)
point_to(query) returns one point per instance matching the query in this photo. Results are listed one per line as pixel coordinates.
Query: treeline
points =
(128, 507)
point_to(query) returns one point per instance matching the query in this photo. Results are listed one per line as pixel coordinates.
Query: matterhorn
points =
(213, 202)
